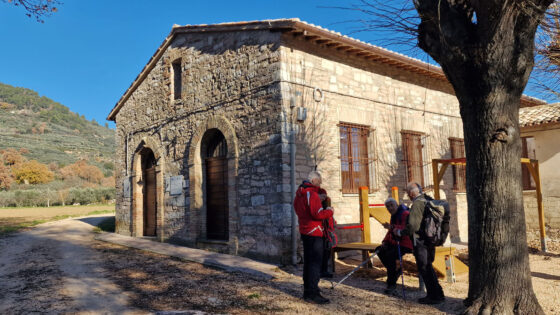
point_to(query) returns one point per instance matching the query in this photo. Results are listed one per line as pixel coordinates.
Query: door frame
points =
(197, 206)
(137, 206)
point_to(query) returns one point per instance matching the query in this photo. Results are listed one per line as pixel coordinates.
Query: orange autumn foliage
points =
(81, 169)
(32, 172)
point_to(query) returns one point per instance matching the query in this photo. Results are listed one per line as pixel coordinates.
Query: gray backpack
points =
(435, 222)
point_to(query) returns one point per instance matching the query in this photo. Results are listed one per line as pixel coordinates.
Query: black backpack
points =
(435, 222)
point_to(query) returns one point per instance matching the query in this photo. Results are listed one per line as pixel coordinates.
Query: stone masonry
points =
(248, 80)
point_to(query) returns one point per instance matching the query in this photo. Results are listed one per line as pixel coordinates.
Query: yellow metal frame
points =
(381, 214)
(532, 165)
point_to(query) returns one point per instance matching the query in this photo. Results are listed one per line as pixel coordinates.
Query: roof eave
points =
(255, 25)
(541, 126)
(145, 71)
(372, 52)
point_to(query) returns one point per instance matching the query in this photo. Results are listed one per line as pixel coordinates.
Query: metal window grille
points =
(356, 166)
(413, 154)
(427, 163)
(528, 151)
(457, 148)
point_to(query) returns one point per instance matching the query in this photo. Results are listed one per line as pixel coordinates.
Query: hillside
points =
(50, 131)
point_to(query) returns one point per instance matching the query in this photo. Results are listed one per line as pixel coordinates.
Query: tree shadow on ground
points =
(545, 276)
(94, 221)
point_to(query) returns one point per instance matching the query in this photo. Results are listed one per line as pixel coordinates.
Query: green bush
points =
(91, 195)
(44, 197)
(7, 199)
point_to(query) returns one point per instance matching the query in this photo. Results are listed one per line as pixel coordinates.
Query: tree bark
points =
(488, 61)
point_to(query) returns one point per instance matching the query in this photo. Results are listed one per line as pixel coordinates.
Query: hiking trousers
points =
(389, 255)
(425, 254)
(313, 251)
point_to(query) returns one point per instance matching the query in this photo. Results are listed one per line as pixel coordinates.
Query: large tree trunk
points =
(488, 61)
(499, 275)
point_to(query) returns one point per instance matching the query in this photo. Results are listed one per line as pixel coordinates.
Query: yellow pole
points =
(364, 214)
(395, 193)
(435, 175)
(537, 178)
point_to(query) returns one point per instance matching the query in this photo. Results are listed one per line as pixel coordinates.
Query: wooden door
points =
(217, 218)
(150, 201)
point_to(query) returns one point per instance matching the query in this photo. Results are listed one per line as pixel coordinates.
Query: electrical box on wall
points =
(301, 113)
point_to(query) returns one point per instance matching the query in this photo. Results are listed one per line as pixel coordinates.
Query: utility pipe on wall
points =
(293, 179)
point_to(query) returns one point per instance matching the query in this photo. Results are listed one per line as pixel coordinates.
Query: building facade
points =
(204, 133)
(540, 135)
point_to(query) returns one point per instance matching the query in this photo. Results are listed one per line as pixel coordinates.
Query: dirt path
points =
(53, 269)
(59, 268)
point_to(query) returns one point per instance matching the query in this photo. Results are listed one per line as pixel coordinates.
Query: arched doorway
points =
(214, 154)
(149, 192)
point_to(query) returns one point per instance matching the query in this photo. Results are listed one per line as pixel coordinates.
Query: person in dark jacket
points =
(388, 251)
(311, 214)
(424, 252)
(328, 223)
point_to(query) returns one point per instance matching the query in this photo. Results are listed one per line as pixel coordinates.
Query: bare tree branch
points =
(37, 8)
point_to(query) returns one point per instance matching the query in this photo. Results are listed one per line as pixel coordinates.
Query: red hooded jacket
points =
(398, 222)
(309, 210)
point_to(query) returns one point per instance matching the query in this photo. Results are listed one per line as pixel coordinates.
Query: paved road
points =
(53, 269)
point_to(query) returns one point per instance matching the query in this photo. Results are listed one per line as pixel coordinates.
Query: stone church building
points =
(204, 133)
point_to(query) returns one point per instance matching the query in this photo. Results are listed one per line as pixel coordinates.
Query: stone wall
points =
(229, 82)
(382, 97)
(249, 85)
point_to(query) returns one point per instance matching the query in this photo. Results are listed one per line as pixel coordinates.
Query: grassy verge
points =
(12, 225)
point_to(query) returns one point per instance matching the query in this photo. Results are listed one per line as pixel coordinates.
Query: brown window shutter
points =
(527, 151)
(412, 149)
(354, 157)
(457, 148)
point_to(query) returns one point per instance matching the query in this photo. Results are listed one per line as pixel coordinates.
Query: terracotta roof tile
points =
(539, 115)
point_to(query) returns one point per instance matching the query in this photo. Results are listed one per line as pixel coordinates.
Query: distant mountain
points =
(50, 131)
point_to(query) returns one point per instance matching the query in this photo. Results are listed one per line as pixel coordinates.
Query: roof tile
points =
(539, 115)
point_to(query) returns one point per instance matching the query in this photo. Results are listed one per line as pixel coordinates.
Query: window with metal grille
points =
(415, 153)
(457, 148)
(177, 79)
(356, 163)
(528, 151)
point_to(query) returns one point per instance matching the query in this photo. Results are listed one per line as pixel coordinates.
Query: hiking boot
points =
(316, 299)
(391, 288)
(328, 275)
(431, 301)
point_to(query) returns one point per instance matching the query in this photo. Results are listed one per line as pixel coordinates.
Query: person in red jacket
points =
(388, 252)
(311, 214)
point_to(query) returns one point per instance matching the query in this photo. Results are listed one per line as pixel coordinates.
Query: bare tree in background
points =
(486, 50)
(547, 68)
(37, 9)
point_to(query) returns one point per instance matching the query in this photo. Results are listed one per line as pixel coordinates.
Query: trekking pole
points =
(351, 272)
(402, 274)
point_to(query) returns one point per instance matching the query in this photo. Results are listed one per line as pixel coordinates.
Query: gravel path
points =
(58, 268)
(53, 269)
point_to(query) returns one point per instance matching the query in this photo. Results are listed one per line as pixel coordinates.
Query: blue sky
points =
(88, 53)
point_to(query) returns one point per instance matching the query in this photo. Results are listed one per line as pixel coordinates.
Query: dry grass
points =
(157, 282)
(15, 219)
